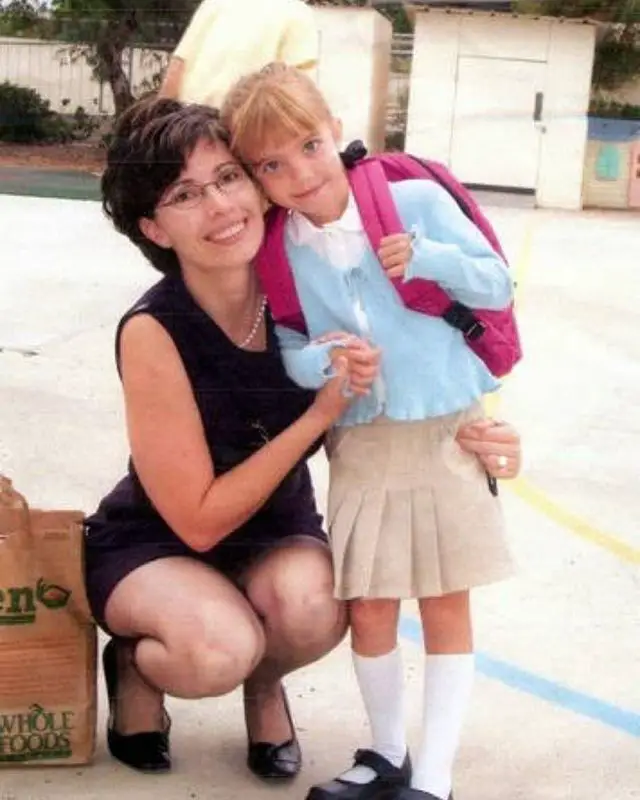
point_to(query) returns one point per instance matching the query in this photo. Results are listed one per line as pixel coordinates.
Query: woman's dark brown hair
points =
(151, 143)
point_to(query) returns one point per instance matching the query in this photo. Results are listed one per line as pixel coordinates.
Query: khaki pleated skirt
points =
(410, 513)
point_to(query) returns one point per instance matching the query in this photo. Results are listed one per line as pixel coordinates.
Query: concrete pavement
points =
(556, 710)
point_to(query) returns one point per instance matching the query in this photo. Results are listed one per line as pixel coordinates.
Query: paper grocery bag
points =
(48, 640)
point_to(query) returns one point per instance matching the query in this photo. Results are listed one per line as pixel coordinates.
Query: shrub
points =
(613, 110)
(26, 117)
(83, 125)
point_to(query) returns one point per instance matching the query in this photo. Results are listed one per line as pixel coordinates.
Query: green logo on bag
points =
(18, 603)
(36, 735)
(52, 596)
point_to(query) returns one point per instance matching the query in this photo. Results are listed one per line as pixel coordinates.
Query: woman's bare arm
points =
(172, 81)
(170, 452)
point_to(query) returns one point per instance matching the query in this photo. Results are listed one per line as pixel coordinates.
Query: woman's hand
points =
(497, 445)
(335, 396)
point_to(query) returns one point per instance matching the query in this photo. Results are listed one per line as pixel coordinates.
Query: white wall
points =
(563, 151)
(355, 49)
(49, 68)
(432, 85)
(442, 38)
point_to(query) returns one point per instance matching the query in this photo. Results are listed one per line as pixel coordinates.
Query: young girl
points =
(411, 514)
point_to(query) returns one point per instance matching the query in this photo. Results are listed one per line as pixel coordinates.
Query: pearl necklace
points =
(256, 324)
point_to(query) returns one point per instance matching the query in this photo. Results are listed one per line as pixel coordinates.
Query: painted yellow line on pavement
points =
(530, 493)
(523, 262)
(539, 500)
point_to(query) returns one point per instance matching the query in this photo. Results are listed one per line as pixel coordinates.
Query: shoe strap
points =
(376, 762)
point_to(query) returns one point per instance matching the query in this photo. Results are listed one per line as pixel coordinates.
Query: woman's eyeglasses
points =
(188, 195)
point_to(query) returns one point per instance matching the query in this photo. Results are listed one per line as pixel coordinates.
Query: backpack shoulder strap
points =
(274, 271)
(375, 202)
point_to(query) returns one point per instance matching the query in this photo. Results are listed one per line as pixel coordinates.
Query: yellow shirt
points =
(230, 38)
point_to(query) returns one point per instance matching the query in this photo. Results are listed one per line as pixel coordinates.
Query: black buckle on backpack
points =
(463, 318)
(355, 151)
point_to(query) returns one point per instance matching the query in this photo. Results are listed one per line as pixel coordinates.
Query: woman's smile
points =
(228, 235)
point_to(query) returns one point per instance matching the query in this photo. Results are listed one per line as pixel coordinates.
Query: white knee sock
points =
(448, 681)
(381, 682)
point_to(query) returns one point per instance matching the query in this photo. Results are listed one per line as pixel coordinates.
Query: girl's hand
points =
(363, 360)
(395, 253)
(497, 445)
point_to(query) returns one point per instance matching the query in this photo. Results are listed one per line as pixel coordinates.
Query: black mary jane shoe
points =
(389, 779)
(145, 752)
(276, 761)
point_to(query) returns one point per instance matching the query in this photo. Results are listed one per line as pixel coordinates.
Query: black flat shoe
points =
(145, 752)
(276, 761)
(389, 779)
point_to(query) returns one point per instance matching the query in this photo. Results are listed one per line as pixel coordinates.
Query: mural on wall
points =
(615, 145)
(608, 162)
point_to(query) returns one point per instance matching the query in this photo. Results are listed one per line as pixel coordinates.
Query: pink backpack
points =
(492, 335)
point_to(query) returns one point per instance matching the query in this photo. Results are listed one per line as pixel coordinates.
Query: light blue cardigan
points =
(427, 369)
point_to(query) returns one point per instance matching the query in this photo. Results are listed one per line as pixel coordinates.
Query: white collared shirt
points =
(342, 242)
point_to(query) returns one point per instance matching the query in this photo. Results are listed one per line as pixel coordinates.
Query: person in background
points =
(226, 39)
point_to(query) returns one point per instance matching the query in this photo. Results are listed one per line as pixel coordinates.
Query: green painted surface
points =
(66, 184)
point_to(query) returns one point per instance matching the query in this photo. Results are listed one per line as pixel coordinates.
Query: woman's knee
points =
(213, 671)
(208, 661)
(296, 597)
(203, 643)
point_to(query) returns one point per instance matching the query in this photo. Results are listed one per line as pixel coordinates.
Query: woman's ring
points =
(503, 461)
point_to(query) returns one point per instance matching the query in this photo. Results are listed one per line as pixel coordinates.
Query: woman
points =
(207, 563)
(218, 503)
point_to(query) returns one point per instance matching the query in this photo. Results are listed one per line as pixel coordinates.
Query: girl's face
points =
(304, 173)
(212, 215)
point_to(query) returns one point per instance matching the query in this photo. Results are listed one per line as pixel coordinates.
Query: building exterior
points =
(502, 100)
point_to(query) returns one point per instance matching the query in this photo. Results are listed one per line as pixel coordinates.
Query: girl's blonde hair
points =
(270, 106)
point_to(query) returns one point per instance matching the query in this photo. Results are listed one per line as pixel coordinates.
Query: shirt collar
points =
(303, 231)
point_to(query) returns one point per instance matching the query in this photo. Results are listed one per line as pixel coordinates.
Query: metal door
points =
(498, 121)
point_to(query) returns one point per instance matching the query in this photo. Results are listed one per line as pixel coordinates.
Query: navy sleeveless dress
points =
(245, 398)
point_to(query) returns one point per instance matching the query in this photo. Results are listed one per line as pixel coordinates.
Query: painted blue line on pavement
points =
(555, 693)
